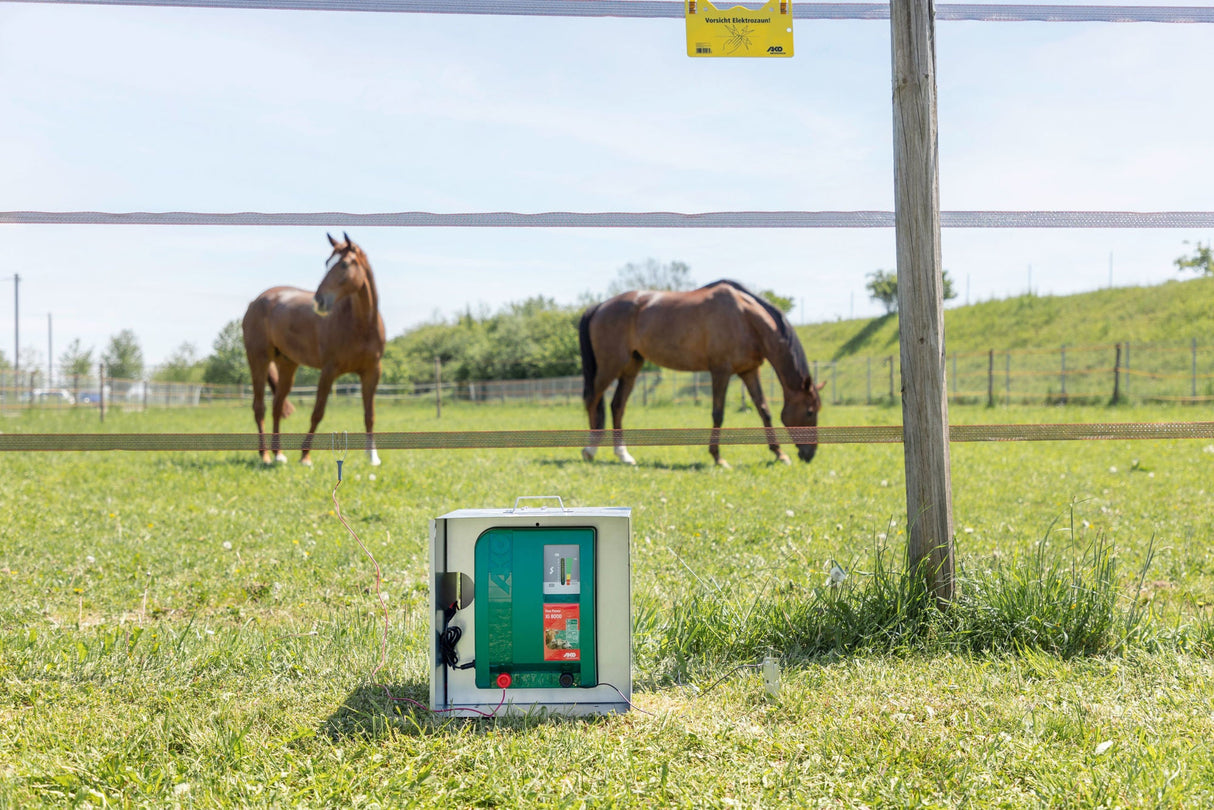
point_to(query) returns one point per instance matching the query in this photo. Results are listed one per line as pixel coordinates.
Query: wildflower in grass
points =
(227, 545)
(371, 476)
(836, 576)
(790, 513)
(90, 559)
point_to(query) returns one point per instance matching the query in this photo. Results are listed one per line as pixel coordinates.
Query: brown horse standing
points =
(337, 329)
(721, 328)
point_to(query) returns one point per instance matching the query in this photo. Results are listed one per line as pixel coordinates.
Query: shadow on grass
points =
(858, 340)
(373, 710)
(199, 462)
(642, 465)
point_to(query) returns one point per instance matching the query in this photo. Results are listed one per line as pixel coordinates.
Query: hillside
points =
(1171, 313)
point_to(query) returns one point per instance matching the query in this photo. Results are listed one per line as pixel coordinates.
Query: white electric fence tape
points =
(623, 219)
(952, 12)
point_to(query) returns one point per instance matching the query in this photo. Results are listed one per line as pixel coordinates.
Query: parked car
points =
(92, 397)
(53, 396)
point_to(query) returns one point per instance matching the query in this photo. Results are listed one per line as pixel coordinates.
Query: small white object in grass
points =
(371, 476)
(181, 788)
(227, 545)
(771, 676)
(969, 530)
(790, 513)
(836, 576)
(1112, 469)
(90, 559)
(384, 596)
(884, 482)
(1104, 746)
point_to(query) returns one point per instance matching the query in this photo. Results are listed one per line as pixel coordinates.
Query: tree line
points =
(533, 338)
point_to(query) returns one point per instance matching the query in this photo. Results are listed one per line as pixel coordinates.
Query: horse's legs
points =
(370, 381)
(286, 378)
(720, 384)
(755, 386)
(327, 376)
(595, 411)
(259, 370)
(627, 380)
(597, 416)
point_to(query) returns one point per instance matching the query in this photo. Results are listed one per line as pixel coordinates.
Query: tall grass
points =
(1063, 600)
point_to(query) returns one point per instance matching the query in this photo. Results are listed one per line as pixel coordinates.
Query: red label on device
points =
(562, 632)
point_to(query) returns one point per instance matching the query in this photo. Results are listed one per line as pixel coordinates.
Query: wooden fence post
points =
(929, 508)
(101, 389)
(1193, 391)
(990, 379)
(438, 388)
(1062, 375)
(1117, 375)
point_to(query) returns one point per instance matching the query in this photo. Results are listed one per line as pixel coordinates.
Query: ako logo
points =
(776, 49)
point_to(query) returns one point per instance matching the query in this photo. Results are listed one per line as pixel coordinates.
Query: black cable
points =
(449, 639)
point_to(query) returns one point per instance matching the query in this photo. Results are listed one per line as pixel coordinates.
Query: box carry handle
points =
(538, 498)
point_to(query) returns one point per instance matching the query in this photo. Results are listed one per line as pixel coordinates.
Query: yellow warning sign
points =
(738, 31)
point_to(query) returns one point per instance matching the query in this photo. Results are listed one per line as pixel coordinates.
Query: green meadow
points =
(195, 630)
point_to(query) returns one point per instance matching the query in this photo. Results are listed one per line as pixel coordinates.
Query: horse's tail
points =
(590, 366)
(272, 379)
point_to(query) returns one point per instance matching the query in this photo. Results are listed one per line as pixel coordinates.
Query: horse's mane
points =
(783, 326)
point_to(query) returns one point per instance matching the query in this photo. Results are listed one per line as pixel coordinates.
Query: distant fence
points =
(1117, 372)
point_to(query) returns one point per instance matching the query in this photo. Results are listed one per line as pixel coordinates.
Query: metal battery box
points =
(531, 609)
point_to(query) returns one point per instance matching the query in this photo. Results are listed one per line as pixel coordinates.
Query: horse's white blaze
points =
(332, 262)
(621, 452)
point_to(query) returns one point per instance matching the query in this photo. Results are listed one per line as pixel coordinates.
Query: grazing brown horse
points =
(721, 328)
(337, 329)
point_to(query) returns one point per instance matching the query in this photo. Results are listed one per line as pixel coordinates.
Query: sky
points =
(175, 109)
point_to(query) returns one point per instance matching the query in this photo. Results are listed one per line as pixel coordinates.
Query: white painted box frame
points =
(453, 539)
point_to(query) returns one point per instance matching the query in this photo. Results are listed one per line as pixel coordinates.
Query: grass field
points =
(192, 629)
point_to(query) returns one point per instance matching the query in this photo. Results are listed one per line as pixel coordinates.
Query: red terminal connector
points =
(504, 680)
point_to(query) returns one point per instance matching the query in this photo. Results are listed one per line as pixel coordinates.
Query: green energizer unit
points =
(535, 607)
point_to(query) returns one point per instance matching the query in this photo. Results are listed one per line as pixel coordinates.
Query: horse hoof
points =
(373, 458)
(307, 462)
(281, 458)
(723, 464)
(784, 459)
(267, 459)
(588, 453)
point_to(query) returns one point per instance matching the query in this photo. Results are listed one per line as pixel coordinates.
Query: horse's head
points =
(801, 408)
(346, 274)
